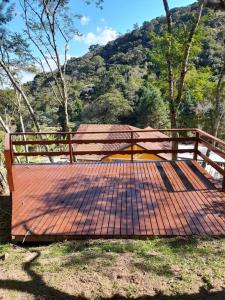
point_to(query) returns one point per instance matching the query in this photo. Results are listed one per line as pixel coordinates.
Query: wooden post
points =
(223, 183)
(70, 148)
(196, 146)
(132, 147)
(9, 160)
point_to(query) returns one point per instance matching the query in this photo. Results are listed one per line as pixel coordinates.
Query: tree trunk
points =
(65, 115)
(23, 95)
(4, 126)
(18, 98)
(65, 126)
(218, 109)
(21, 92)
(187, 52)
(173, 122)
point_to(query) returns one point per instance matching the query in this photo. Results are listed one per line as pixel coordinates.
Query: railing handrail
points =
(106, 141)
(107, 131)
(206, 134)
(72, 138)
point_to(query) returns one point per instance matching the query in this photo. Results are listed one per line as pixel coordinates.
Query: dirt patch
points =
(121, 269)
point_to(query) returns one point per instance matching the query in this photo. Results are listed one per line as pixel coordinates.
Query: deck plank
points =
(115, 199)
(202, 218)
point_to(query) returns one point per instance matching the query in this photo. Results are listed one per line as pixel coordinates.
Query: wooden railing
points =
(48, 141)
(8, 153)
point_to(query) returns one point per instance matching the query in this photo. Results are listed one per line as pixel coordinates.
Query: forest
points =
(170, 72)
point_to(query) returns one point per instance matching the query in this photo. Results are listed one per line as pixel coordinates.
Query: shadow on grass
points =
(176, 245)
(87, 257)
(161, 269)
(5, 217)
(37, 287)
(202, 295)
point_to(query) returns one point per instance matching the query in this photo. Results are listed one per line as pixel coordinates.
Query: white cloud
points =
(26, 76)
(84, 20)
(102, 37)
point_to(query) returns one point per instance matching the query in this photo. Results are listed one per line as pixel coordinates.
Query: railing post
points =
(9, 160)
(70, 148)
(223, 183)
(196, 146)
(132, 147)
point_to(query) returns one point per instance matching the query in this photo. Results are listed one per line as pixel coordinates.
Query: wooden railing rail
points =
(211, 137)
(9, 160)
(106, 131)
(68, 139)
(103, 152)
(106, 141)
(216, 142)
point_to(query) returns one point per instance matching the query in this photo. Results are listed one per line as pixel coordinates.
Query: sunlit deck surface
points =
(140, 199)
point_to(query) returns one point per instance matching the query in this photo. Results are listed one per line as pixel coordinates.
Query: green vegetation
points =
(152, 110)
(126, 81)
(99, 269)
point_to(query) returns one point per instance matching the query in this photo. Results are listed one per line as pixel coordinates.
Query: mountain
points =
(117, 70)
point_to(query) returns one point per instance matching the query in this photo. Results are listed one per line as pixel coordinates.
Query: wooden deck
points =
(140, 199)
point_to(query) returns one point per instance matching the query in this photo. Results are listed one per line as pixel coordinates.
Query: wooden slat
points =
(102, 131)
(213, 138)
(213, 148)
(212, 163)
(101, 152)
(150, 197)
(161, 214)
(56, 202)
(42, 153)
(181, 206)
(177, 210)
(211, 224)
(40, 142)
(105, 141)
(167, 218)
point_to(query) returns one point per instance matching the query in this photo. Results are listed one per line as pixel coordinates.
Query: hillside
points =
(106, 83)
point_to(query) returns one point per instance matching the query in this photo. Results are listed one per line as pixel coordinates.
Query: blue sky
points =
(117, 16)
(100, 26)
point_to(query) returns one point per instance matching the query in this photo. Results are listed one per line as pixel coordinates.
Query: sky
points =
(99, 26)
(116, 17)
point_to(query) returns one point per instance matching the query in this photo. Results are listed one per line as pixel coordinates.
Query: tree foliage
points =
(152, 110)
(124, 81)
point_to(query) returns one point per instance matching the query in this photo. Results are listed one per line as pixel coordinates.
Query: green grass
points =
(181, 265)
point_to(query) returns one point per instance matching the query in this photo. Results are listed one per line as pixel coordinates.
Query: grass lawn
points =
(182, 268)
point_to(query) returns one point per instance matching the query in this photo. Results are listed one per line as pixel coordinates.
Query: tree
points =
(215, 4)
(176, 47)
(46, 23)
(219, 103)
(14, 56)
(196, 103)
(107, 109)
(179, 42)
(4, 125)
(152, 109)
